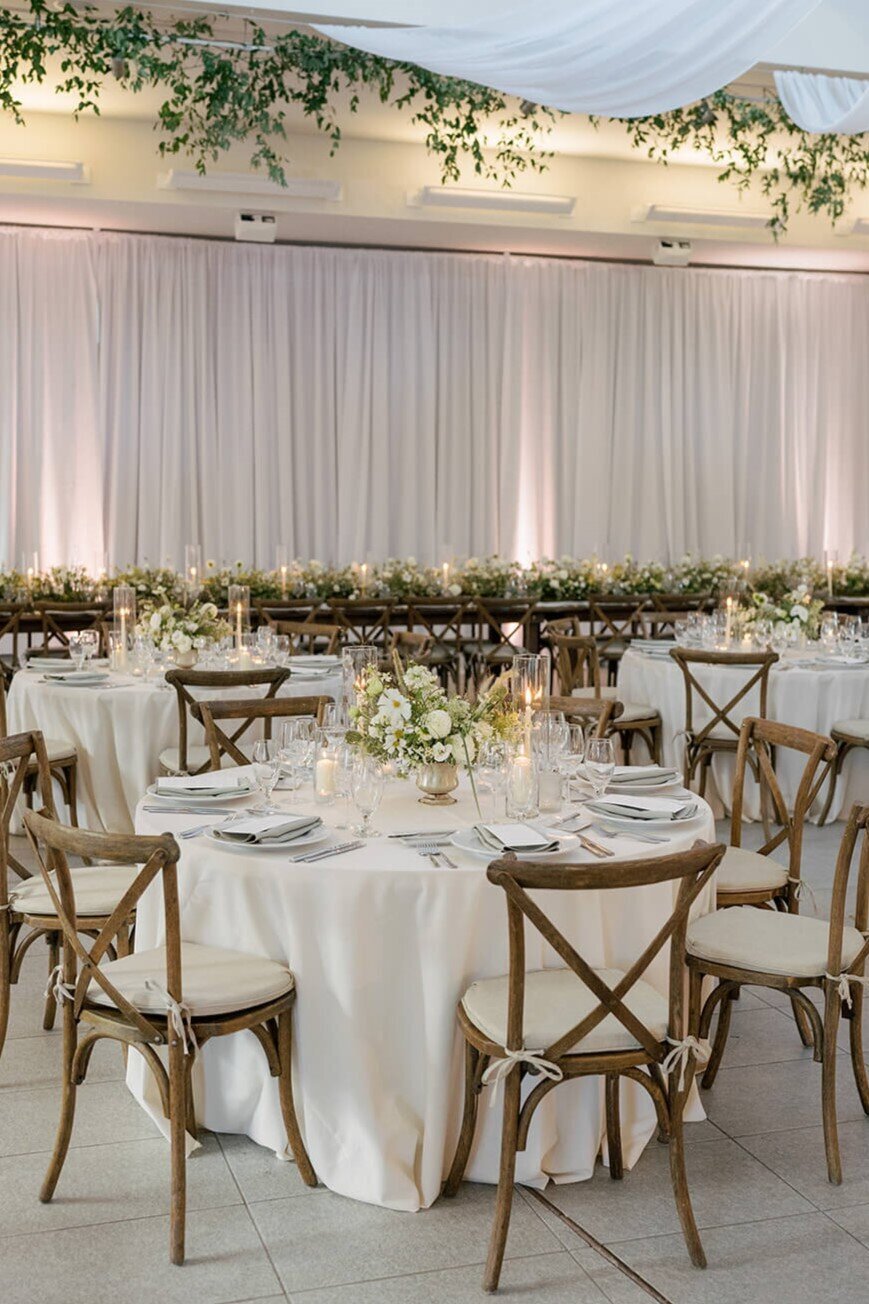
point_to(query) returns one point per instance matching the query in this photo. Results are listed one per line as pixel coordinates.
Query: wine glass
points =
(600, 763)
(333, 722)
(296, 751)
(830, 630)
(282, 649)
(571, 758)
(266, 768)
(77, 648)
(549, 735)
(490, 774)
(367, 782)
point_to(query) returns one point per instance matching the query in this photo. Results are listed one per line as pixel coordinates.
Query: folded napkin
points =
(76, 676)
(653, 774)
(514, 837)
(269, 829)
(216, 784)
(644, 808)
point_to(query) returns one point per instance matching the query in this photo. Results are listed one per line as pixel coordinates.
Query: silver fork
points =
(432, 852)
(623, 833)
(201, 828)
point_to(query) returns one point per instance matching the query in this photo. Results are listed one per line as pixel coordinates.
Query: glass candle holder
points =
(326, 765)
(530, 687)
(238, 596)
(282, 566)
(192, 570)
(124, 612)
(523, 787)
(354, 661)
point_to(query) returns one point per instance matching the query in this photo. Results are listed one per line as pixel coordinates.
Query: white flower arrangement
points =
(798, 608)
(404, 717)
(173, 629)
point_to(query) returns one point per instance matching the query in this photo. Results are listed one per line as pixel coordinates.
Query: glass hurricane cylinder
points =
(238, 596)
(124, 612)
(523, 785)
(530, 687)
(326, 765)
(192, 570)
(282, 566)
(354, 661)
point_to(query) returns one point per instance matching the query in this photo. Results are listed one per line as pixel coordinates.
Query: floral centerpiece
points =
(798, 607)
(182, 632)
(405, 718)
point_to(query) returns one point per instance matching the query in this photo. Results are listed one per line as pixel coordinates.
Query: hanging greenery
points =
(220, 91)
(755, 141)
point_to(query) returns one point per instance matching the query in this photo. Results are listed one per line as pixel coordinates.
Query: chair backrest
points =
(756, 739)
(577, 662)
(410, 646)
(692, 870)
(18, 753)
(59, 620)
(585, 710)
(504, 626)
(857, 823)
(362, 620)
(81, 963)
(615, 621)
(183, 681)
(569, 625)
(444, 621)
(757, 666)
(247, 710)
(10, 625)
(310, 635)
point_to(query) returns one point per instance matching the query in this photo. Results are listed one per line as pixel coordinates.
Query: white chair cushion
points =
(59, 750)
(555, 1001)
(98, 889)
(747, 871)
(197, 756)
(854, 728)
(632, 710)
(213, 980)
(767, 940)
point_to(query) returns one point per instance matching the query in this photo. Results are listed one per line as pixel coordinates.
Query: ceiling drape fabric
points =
(820, 104)
(355, 404)
(594, 56)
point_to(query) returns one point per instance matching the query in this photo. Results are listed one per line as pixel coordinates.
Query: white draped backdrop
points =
(356, 403)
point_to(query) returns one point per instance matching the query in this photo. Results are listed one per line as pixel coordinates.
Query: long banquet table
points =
(808, 697)
(119, 730)
(383, 945)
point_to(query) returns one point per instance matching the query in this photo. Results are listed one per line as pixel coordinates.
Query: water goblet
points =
(600, 764)
(571, 759)
(367, 782)
(266, 768)
(77, 648)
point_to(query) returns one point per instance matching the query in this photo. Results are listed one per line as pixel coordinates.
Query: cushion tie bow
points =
(57, 988)
(499, 1068)
(843, 985)
(177, 1014)
(682, 1053)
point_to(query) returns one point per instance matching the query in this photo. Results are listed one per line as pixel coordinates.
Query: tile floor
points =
(774, 1229)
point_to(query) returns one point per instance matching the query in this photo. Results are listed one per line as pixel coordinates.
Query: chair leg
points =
(679, 1177)
(50, 1010)
(722, 1029)
(288, 1106)
(509, 1136)
(469, 1122)
(842, 750)
(832, 1012)
(67, 1106)
(802, 1021)
(614, 1127)
(857, 1062)
(178, 1142)
(72, 793)
(5, 976)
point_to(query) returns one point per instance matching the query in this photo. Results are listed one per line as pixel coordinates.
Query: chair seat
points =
(747, 938)
(632, 712)
(58, 751)
(215, 981)
(198, 756)
(555, 1001)
(98, 889)
(747, 871)
(853, 729)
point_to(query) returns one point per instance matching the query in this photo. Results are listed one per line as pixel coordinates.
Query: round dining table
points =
(806, 692)
(120, 726)
(383, 944)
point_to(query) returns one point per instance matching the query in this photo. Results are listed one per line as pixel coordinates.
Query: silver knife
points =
(323, 855)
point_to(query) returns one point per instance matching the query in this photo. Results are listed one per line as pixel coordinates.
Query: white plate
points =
(309, 676)
(191, 799)
(314, 659)
(637, 789)
(310, 839)
(467, 840)
(638, 825)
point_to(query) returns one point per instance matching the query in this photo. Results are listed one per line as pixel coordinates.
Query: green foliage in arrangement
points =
(562, 579)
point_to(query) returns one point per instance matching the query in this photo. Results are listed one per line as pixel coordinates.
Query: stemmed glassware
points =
(367, 781)
(266, 768)
(490, 777)
(600, 764)
(296, 751)
(83, 645)
(571, 758)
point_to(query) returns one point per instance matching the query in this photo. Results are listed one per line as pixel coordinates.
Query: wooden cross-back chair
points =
(795, 955)
(577, 661)
(247, 711)
(361, 620)
(586, 710)
(179, 996)
(413, 648)
(189, 758)
(721, 731)
(559, 1024)
(444, 621)
(849, 736)
(310, 635)
(614, 622)
(504, 629)
(27, 912)
(62, 765)
(59, 620)
(10, 628)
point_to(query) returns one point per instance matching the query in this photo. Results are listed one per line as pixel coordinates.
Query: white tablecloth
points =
(383, 945)
(809, 698)
(119, 732)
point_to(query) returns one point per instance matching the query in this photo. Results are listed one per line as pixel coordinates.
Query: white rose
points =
(438, 724)
(440, 752)
(799, 612)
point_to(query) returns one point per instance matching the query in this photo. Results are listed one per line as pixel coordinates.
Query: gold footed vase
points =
(436, 782)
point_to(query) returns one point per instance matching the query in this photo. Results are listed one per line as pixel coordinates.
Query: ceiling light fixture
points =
(248, 183)
(511, 201)
(44, 170)
(674, 214)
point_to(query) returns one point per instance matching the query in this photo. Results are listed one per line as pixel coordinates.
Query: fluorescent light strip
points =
(248, 183)
(44, 170)
(505, 200)
(674, 215)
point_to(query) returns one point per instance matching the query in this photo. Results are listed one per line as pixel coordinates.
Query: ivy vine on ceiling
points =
(219, 92)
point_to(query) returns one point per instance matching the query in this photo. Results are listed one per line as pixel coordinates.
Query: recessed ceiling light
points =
(249, 183)
(512, 201)
(44, 170)
(674, 214)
